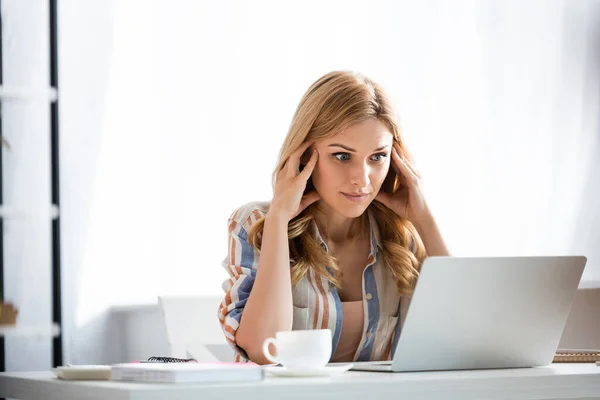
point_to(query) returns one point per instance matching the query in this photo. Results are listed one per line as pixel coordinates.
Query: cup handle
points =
(266, 351)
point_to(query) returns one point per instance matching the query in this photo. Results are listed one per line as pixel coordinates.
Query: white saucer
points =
(328, 370)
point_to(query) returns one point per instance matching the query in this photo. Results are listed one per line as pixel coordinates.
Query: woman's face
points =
(352, 166)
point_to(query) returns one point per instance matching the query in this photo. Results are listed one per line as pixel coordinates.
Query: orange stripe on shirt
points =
(235, 214)
(232, 226)
(229, 329)
(316, 318)
(238, 271)
(257, 215)
(221, 315)
(227, 301)
(325, 321)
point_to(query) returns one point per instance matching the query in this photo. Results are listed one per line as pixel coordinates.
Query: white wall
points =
(582, 329)
(172, 114)
(85, 54)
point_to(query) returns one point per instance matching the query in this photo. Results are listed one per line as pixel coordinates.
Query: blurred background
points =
(134, 128)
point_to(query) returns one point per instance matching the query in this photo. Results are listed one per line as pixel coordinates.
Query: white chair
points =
(193, 329)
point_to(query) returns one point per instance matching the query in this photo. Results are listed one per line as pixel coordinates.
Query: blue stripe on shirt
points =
(338, 320)
(236, 313)
(243, 292)
(373, 310)
(247, 250)
(247, 281)
(373, 243)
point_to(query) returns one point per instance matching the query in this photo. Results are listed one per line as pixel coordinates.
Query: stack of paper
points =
(83, 372)
(187, 372)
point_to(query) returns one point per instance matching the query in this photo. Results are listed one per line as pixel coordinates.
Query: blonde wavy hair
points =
(334, 102)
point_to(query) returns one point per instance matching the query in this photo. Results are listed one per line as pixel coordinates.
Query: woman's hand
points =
(408, 201)
(288, 200)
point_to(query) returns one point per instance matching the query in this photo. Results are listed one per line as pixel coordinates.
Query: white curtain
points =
(26, 180)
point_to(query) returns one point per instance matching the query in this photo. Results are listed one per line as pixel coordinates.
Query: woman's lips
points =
(356, 198)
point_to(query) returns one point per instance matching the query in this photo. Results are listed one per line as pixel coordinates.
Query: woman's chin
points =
(347, 209)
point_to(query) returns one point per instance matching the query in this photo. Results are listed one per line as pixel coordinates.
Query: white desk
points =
(558, 381)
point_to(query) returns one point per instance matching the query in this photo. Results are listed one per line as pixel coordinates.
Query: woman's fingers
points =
(407, 162)
(308, 169)
(410, 166)
(403, 167)
(293, 163)
(291, 183)
(308, 199)
(384, 198)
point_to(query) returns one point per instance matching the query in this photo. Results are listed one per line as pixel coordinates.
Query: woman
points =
(341, 243)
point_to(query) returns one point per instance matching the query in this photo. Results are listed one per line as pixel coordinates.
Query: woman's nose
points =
(360, 176)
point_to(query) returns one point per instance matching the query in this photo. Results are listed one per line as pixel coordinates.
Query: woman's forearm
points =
(270, 307)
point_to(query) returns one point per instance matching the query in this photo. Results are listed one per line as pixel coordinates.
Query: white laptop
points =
(488, 312)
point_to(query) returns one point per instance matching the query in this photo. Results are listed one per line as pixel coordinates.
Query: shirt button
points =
(369, 296)
(369, 334)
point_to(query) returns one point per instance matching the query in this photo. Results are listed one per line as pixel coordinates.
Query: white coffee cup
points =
(303, 349)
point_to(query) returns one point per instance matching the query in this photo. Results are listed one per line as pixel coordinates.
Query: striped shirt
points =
(316, 303)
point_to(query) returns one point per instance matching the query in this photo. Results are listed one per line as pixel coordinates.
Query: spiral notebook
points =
(576, 356)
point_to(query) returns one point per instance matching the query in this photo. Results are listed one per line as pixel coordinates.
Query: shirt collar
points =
(375, 237)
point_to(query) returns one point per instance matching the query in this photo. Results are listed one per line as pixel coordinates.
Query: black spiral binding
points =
(171, 360)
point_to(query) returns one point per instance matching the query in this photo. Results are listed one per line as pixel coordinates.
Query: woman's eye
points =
(379, 157)
(342, 156)
(346, 157)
